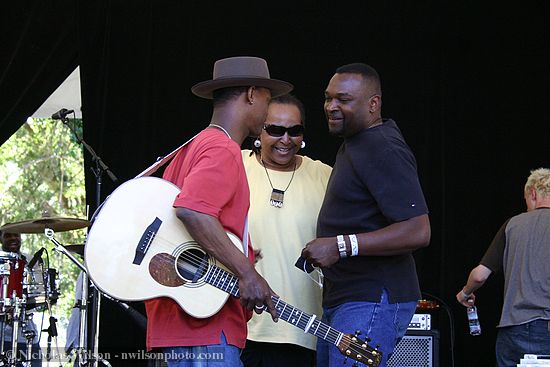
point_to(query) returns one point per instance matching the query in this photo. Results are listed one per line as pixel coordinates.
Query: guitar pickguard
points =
(163, 271)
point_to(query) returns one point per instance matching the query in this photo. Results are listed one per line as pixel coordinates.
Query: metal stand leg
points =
(84, 357)
(12, 359)
(29, 336)
(81, 350)
(94, 337)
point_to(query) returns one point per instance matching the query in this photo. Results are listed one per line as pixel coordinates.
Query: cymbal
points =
(57, 224)
(77, 249)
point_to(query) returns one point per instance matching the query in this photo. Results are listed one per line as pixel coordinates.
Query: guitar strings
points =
(171, 245)
(186, 257)
(160, 242)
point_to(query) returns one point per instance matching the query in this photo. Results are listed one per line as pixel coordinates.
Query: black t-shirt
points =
(373, 184)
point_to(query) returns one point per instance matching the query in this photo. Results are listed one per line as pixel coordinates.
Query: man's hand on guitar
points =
(256, 293)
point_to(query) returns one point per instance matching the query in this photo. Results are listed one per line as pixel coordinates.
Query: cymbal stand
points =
(81, 350)
(29, 337)
(52, 328)
(5, 269)
(60, 248)
(5, 273)
(100, 167)
(3, 320)
(18, 308)
(83, 311)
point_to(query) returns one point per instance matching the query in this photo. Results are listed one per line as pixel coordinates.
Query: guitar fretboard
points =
(229, 283)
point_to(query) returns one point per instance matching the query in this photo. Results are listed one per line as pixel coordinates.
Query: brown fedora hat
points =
(241, 71)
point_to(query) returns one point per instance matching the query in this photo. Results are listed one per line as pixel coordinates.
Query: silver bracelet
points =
(354, 245)
(341, 246)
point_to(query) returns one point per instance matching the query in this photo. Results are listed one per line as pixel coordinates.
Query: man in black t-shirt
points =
(373, 217)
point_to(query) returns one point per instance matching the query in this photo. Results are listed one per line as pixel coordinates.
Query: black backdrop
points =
(466, 81)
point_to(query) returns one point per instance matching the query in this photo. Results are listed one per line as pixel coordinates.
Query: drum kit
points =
(26, 286)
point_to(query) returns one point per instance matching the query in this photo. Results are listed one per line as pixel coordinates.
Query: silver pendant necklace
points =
(278, 196)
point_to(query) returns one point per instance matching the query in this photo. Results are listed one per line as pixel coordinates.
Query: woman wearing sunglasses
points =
(286, 193)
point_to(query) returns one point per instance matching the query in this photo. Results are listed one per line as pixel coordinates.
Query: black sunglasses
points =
(278, 131)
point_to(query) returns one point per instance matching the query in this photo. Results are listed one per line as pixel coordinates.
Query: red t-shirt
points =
(211, 175)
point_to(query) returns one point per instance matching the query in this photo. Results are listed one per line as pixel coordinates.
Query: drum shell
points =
(40, 287)
(14, 279)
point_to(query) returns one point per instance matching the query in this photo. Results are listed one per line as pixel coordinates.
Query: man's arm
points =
(491, 262)
(210, 234)
(397, 238)
(476, 279)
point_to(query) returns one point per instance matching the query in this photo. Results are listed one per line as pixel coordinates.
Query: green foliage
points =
(41, 170)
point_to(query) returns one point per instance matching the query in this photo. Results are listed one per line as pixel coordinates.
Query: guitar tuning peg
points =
(377, 346)
(345, 360)
(368, 340)
(357, 332)
(355, 364)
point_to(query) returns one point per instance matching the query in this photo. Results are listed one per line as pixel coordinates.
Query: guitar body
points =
(137, 249)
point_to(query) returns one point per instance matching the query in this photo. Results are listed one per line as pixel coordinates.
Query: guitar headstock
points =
(425, 306)
(359, 350)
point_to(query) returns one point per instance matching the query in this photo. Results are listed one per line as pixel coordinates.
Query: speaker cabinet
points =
(418, 348)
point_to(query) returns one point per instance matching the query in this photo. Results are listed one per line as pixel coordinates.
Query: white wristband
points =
(465, 295)
(341, 246)
(354, 245)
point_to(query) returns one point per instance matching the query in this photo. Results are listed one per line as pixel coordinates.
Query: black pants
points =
(258, 354)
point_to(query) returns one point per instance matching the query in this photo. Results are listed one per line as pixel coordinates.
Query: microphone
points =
(37, 256)
(61, 114)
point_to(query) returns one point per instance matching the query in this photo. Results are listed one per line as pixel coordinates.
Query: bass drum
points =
(41, 288)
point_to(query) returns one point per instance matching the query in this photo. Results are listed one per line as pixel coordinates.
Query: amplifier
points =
(418, 348)
(420, 321)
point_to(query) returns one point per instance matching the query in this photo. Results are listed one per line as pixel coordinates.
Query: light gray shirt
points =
(522, 249)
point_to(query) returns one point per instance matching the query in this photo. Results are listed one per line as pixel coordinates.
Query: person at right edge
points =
(521, 248)
(373, 217)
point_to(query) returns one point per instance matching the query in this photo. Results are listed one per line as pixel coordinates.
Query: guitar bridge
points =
(145, 241)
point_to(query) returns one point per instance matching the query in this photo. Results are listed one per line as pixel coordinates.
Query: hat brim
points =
(205, 89)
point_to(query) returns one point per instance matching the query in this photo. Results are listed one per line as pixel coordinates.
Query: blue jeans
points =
(221, 354)
(515, 341)
(383, 322)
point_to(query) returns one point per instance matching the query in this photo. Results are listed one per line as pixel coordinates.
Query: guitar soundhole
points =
(192, 264)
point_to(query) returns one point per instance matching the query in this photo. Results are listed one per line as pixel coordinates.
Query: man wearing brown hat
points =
(214, 198)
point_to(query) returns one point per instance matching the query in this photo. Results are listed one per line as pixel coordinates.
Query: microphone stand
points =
(100, 167)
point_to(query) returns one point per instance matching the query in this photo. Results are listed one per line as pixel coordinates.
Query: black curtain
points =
(466, 82)
(38, 51)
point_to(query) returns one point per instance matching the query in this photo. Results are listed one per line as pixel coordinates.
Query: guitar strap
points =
(163, 160)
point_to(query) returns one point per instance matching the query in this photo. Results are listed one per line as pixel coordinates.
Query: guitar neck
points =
(229, 283)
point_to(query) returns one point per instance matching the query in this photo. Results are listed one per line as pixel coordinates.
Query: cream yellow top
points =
(281, 233)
